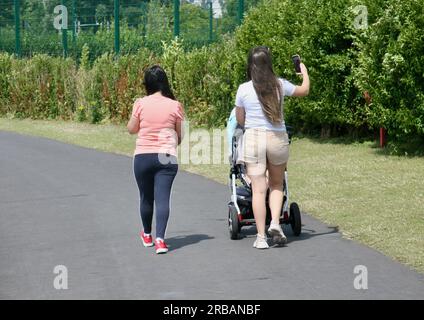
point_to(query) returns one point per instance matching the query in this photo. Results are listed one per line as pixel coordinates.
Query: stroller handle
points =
(290, 130)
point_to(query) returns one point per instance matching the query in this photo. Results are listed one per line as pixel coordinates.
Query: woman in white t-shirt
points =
(259, 105)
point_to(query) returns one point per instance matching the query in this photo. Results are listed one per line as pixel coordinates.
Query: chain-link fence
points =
(63, 27)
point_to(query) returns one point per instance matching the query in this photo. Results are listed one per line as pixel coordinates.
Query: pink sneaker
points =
(147, 240)
(160, 246)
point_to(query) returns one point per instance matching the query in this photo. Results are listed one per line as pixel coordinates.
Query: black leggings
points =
(154, 179)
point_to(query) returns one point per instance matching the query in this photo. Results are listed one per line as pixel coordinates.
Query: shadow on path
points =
(310, 233)
(183, 241)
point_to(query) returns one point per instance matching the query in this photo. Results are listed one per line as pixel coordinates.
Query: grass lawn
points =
(374, 198)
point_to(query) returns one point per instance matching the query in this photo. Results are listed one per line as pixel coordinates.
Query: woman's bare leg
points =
(259, 188)
(276, 178)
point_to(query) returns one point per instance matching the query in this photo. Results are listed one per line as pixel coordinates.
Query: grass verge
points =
(374, 198)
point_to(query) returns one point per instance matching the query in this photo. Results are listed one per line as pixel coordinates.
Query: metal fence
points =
(63, 27)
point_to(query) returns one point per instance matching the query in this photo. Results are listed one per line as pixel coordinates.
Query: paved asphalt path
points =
(65, 205)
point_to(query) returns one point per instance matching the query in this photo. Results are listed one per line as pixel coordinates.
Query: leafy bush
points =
(203, 79)
(206, 83)
(115, 84)
(324, 42)
(391, 67)
(43, 87)
(5, 71)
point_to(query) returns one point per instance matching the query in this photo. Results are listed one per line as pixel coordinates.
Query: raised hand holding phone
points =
(303, 69)
(296, 61)
(302, 90)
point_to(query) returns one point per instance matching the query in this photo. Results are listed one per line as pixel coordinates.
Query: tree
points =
(194, 22)
(6, 13)
(101, 13)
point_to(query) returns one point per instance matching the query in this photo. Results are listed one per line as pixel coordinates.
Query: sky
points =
(216, 6)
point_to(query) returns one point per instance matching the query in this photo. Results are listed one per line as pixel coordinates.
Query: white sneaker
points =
(277, 234)
(260, 242)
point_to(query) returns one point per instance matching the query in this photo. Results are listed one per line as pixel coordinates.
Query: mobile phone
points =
(296, 61)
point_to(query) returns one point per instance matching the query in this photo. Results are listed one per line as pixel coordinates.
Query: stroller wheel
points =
(295, 219)
(233, 223)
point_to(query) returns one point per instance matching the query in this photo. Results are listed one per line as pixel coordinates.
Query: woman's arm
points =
(179, 123)
(133, 125)
(179, 130)
(303, 90)
(240, 115)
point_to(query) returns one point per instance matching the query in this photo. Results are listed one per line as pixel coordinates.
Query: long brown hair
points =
(266, 84)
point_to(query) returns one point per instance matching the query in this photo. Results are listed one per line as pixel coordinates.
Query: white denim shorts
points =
(261, 146)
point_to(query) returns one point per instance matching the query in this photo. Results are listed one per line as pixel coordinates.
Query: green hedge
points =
(204, 80)
(319, 32)
(390, 65)
(115, 84)
(386, 59)
(41, 88)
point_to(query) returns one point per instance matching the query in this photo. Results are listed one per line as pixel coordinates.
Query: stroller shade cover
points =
(234, 130)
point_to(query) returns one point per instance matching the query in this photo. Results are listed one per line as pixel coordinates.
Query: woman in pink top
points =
(157, 119)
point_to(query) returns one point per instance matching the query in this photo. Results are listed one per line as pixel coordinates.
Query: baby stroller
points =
(240, 211)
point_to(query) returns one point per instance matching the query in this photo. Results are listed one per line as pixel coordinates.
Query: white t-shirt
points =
(247, 98)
